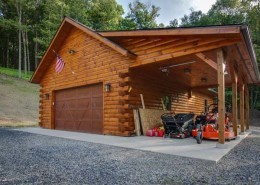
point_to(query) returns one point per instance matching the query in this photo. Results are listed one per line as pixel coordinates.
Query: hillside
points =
(18, 101)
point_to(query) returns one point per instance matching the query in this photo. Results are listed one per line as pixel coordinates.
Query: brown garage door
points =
(80, 109)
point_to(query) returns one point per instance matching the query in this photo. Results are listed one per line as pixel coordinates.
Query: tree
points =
(104, 14)
(28, 26)
(228, 12)
(140, 16)
(195, 18)
(173, 23)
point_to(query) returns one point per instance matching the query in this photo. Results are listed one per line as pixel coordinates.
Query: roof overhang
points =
(183, 32)
(240, 34)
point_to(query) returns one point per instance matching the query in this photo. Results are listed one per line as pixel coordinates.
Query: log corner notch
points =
(221, 95)
(125, 123)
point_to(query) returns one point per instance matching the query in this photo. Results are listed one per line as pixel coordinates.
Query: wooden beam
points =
(219, 30)
(234, 79)
(206, 47)
(242, 112)
(247, 109)
(189, 93)
(207, 60)
(179, 53)
(142, 100)
(221, 96)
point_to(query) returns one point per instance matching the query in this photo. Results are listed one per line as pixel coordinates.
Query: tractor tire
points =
(189, 130)
(199, 137)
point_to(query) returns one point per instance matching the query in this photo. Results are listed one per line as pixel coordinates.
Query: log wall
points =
(94, 63)
(154, 88)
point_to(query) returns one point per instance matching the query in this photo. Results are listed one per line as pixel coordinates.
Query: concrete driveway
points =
(187, 147)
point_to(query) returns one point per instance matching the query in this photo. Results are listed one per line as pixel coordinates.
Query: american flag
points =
(59, 64)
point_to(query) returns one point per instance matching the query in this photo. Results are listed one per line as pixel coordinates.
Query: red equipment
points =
(206, 126)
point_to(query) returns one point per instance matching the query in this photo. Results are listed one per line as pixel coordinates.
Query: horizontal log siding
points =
(154, 88)
(92, 63)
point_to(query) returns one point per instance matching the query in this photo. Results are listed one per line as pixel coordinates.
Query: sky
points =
(173, 9)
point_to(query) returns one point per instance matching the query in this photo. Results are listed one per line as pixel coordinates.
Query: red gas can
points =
(160, 133)
(150, 133)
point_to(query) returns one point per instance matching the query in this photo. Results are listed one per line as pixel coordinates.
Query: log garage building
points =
(105, 73)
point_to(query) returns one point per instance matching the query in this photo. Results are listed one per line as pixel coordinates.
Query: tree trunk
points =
(7, 53)
(25, 53)
(19, 13)
(28, 53)
(36, 50)
(3, 57)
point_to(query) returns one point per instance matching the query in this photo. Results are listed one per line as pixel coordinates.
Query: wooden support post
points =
(142, 100)
(234, 106)
(247, 110)
(164, 108)
(221, 96)
(189, 93)
(242, 112)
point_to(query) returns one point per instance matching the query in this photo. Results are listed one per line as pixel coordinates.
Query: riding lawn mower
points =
(206, 126)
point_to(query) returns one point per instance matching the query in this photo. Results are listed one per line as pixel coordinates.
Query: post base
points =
(241, 133)
(222, 146)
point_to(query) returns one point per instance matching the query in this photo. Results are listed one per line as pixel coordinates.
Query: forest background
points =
(28, 26)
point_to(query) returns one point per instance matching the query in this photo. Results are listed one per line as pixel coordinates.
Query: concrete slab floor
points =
(187, 147)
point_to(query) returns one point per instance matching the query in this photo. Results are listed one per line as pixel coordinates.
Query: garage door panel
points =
(69, 125)
(66, 115)
(97, 91)
(78, 114)
(97, 114)
(59, 105)
(80, 109)
(59, 124)
(84, 103)
(85, 126)
(71, 104)
(87, 115)
(84, 92)
(97, 102)
(59, 96)
(96, 126)
(69, 93)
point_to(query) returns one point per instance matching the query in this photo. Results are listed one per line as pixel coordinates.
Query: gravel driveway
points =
(35, 159)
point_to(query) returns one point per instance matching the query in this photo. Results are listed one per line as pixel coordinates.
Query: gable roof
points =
(117, 39)
(64, 29)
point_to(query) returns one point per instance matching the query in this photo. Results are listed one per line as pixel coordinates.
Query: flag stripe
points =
(59, 64)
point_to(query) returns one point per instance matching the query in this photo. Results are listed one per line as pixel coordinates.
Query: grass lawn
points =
(19, 100)
(14, 73)
(12, 123)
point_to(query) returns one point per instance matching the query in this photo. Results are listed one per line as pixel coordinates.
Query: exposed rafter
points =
(207, 60)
